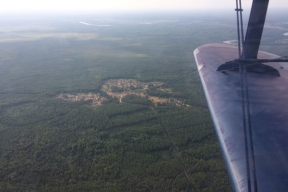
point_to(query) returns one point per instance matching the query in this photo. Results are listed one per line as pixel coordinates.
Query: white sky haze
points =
(116, 5)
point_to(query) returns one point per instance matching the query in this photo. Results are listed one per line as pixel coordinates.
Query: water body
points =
(84, 23)
(231, 42)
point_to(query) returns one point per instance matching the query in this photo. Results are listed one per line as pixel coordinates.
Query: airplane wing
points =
(249, 108)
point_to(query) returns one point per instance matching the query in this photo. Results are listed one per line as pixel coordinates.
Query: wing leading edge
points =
(268, 111)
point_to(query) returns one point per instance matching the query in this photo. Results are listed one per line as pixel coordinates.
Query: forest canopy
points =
(112, 106)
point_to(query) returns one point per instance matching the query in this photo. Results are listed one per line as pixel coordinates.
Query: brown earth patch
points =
(119, 88)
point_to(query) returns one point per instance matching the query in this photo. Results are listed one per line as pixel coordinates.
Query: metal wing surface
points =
(260, 164)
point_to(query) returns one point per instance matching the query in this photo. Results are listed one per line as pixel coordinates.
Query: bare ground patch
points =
(95, 99)
(120, 88)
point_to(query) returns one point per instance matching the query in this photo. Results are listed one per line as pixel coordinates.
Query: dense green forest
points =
(48, 144)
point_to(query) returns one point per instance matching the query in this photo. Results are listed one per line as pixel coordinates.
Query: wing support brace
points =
(255, 29)
(252, 43)
(252, 65)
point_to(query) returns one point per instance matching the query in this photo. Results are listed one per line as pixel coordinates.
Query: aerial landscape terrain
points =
(112, 102)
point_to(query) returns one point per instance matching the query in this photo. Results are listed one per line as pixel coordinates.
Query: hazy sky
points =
(111, 5)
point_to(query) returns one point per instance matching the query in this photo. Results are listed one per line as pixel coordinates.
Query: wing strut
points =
(250, 45)
(245, 98)
(239, 25)
(255, 29)
(248, 139)
(250, 51)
